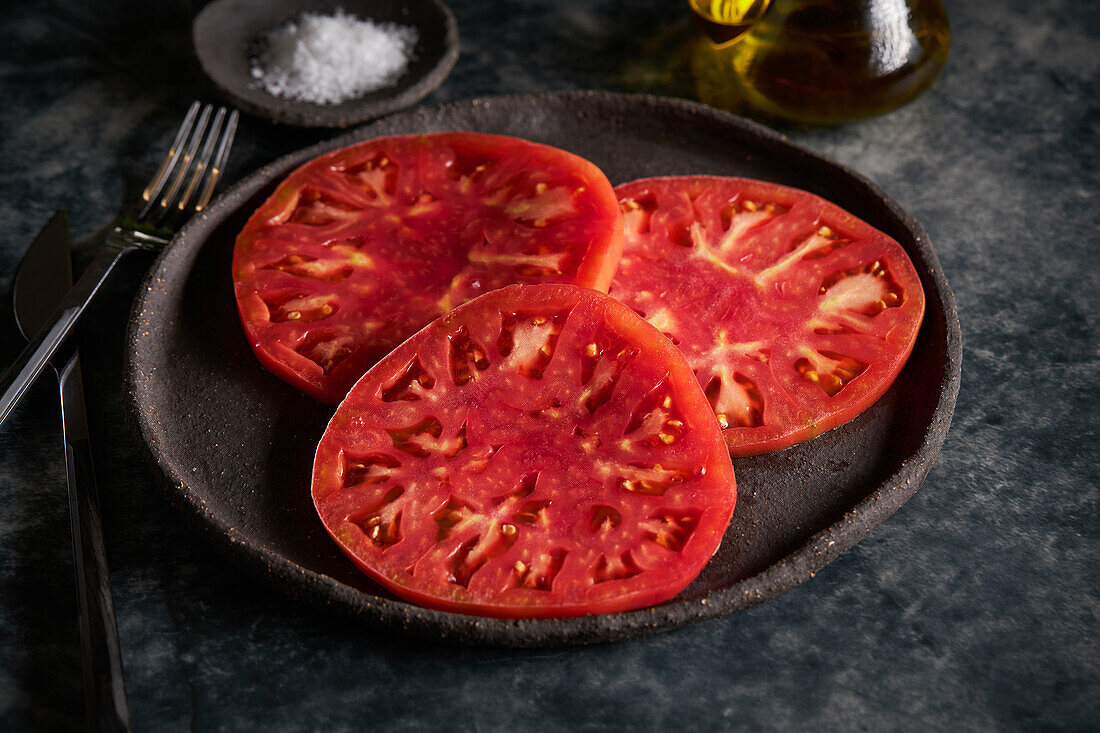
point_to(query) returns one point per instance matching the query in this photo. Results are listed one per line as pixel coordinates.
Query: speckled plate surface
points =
(225, 33)
(233, 445)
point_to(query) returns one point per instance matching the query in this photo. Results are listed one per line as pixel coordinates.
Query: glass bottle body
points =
(829, 61)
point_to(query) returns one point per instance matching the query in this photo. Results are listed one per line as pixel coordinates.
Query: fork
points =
(182, 185)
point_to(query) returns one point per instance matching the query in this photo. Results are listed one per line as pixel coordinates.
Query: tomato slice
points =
(794, 314)
(540, 451)
(361, 247)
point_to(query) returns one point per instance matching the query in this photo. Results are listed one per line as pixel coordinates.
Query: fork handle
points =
(41, 347)
(105, 706)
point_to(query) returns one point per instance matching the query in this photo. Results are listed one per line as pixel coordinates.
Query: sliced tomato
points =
(358, 249)
(794, 314)
(540, 451)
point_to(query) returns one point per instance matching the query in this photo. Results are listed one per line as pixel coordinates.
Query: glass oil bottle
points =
(818, 61)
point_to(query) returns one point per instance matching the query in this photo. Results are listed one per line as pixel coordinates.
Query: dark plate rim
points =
(347, 114)
(797, 567)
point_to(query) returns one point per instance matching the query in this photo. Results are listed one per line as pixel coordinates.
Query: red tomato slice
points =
(358, 249)
(794, 314)
(539, 451)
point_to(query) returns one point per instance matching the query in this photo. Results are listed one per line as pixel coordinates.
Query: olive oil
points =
(724, 21)
(821, 61)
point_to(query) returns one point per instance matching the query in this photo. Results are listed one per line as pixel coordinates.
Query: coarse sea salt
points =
(329, 59)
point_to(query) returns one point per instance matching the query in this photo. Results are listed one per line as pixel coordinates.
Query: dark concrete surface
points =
(975, 607)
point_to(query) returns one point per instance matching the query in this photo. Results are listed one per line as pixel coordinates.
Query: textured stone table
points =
(975, 607)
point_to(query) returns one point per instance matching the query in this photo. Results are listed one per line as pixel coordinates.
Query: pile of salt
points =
(328, 59)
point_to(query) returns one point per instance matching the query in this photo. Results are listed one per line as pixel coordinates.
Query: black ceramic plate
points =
(225, 32)
(234, 445)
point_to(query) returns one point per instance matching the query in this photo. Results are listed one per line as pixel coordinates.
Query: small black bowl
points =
(224, 36)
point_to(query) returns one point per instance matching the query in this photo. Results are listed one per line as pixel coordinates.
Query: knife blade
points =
(44, 276)
(42, 281)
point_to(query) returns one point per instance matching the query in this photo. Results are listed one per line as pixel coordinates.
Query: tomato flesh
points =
(361, 247)
(794, 314)
(539, 451)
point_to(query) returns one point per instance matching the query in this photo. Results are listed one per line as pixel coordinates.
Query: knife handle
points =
(105, 706)
(30, 362)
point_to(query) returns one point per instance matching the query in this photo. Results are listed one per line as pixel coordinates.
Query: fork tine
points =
(180, 170)
(219, 161)
(152, 190)
(204, 159)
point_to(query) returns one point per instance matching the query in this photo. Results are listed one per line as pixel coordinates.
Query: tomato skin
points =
(795, 315)
(359, 248)
(602, 547)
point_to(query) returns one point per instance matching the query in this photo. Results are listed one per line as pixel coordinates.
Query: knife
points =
(43, 279)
